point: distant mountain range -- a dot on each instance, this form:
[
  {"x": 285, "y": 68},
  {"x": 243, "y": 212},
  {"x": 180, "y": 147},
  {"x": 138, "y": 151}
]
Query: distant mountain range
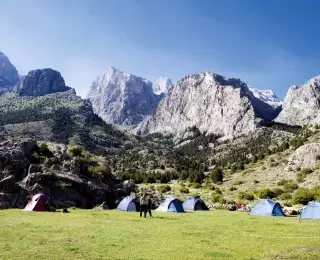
[{"x": 210, "y": 102}]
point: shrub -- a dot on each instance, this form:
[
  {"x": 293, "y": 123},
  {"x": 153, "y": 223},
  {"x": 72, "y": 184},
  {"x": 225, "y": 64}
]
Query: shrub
[
  {"x": 303, "y": 196},
  {"x": 265, "y": 194},
  {"x": 184, "y": 190},
  {"x": 217, "y": 197},
  {"x": 44, "y": 150},
  {"x": 217, "y": 175},
  {"x": 239, "y": 182},
  {"x": 285, "y": 196},
  {"x": 290, "y": 186},
  {"x": 100, "y": 172},
  {"x": 255, "y": 181},
  {"x": 195, "y": 185},
  {"x": 209, "y": 186},
  {"x": 277, "y": 191},
  {"x": 232, "y": 188},
  {"x": 76, "y": 151},
  {"x": 306, "y": 170},
  {"x": 163, "y": 188},
  {"x": 283, "y": 182},
  {"x": 301, "y": 177},
  {"x": 242, "y": 195}
]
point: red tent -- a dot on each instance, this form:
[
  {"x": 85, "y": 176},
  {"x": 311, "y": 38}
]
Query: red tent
[{"x": 37, "y": 203}]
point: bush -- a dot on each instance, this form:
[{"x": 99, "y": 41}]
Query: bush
[
  {"x": 301, "y": 177},
  {"x": 76, "y": 151},
  {"x": 303, "y": 196},
  {"x": 44, "y": 150},
  {"x": 239, "y": 182},
  {"x": 283, "y": 182},
  {"x": 242, "y": 195},
  {"x": 232, "y": 188},
  {"x": 290, "y": 186},
  {"x": 265, "y": 194},
  {"x": 306, "y": 170},
  {"x": 285, "y": 196},
  {"x": 100, "y": 172},
  {"x": 195, "y": 185},
  {"x": 163, "y": 188},
  {"x": 184, "y": 190},
  {"x": 277, "y": 191},
  {"x": 217, "y": 197},
  {"x": 255, "y": 181},
  {"x": 209, "y": 186},
  {"x": 217, "y": 175}
]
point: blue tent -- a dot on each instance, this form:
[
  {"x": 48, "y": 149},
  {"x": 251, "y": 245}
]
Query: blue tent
[
  {"x": 171, "y": 205},
  {"x": 312, "y": 210},
  {"x": 128, "y": 204},
  {"x": 194, "y": 203},
  {"x": 267, "y": 208}
]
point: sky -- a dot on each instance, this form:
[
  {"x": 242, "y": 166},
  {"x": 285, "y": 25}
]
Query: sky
[{"x": 268, "y": 44}]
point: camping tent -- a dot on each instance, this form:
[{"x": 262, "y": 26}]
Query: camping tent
[
  {"x": 267, "y": 208},
  {"x": 194, "y": 203},
  {"x": 171, "y": 205},
  {"x": 312, "y": 210},
  {"x": 128, "y": 204},
  {"x": 37, "y": 203}
]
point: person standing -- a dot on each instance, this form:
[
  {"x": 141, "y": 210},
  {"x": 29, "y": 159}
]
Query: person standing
[{"x": 145, "y": 203}]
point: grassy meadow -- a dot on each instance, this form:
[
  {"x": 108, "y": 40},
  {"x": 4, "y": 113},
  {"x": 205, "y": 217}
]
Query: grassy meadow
[{"x": 92, "y": 234}]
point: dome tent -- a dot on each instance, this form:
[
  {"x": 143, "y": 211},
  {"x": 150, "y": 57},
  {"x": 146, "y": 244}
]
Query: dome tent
[
  {"x": 194, "y": 203},
  {"x": 171, "y": 205},
  {"x": 129, "y": 203},
  {"x": 312, "y": 211},
  {"x": 37, "y": 203},
  {"x": 267, "y": 208}
]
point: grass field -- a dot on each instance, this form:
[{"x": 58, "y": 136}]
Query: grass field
[{"x": 90, "y": 234}]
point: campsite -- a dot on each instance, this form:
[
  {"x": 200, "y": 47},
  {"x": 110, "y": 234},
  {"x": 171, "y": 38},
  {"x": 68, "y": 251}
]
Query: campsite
[{"x": 111, "y": 234}]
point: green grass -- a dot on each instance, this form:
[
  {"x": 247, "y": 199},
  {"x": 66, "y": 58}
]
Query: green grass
[{"x": 120, "y": 235}]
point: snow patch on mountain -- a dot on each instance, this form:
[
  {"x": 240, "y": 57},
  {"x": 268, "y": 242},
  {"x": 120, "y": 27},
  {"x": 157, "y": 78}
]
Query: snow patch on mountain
[
  {"x": 162, "y": 85},
  {"x": 267, "y": 96}
]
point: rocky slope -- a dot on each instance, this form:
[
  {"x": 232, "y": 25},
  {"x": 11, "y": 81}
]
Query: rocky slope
[
  {"x": 41, "y": 82},
  {"x": 302, "y": 104},
  {"x": 122, "y": 99},
  {"x": 212, "y": 103},
  {"x": 267, "y": 96},
  {"x": 26, "y": 170},
  {"x": 47, "y": 110},
  {"x": 162, "y": 85},
  {"x": 8, "y": 73}
]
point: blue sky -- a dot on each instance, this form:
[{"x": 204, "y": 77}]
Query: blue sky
[{"x": 268, "y": 44}]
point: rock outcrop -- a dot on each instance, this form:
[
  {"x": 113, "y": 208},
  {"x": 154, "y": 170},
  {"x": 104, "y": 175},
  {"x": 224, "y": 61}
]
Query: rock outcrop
[
  {"x": 41, "y": 82},
  {"x": 8, "y": 73},
  {"x": 302, "y": 104},
  {"x": 65, "y": 179},
  {"x": 305, "y": 156},
  {"x": 162, "y": 85},
  {"x": 122, "y": 99},
  {"x": 212, "y": 103}
]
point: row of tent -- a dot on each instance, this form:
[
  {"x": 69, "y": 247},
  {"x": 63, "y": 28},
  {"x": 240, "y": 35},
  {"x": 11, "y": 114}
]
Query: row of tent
[
  {"x": 263, "y": 208},
  {"x": 171, "y": 204}
]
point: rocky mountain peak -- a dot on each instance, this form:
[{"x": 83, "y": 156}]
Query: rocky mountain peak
[
  {"x": 211, "y": 102},
  {"x": 122, "y": 98},
  {"x": 267, "y": 96},
  {"x": 162, "y": 85},
  {"x": 302, "y": 104},
  {"x": 41, "y": 82},
  {"x": 8, "y": 73}
]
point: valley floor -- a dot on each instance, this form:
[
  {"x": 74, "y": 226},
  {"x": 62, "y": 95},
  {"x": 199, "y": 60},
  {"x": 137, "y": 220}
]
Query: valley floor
[{"x": 91, "y": 234}]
